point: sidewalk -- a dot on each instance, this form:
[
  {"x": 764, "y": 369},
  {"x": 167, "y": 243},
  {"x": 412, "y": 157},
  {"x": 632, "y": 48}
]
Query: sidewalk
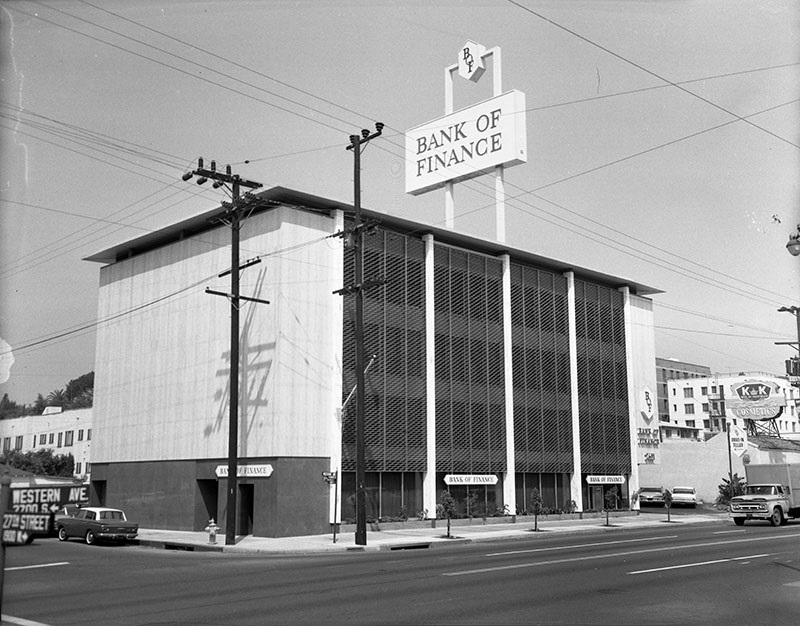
[{"x": 415, "y": 537}]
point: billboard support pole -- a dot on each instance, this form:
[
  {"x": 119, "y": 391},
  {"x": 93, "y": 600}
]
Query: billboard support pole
[{"x": 499, "y": 176}]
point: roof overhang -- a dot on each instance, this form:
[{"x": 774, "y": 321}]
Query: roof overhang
[{"x": 276, "y": 196}]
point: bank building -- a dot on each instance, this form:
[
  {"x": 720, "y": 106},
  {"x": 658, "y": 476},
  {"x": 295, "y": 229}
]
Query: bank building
[{"x": 483, "y": 361}]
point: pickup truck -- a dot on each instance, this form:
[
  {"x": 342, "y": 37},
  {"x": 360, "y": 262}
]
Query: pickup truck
[
  {"x": 772, "y": 493},
  {"x": 92, "y": 523}
]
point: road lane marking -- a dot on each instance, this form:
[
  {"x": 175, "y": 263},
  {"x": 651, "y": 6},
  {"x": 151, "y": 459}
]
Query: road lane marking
[
  {"x": 664, "y": 569},
  {"x": 582, "y": 545},
  {"x": 595, "y": 557},
  {"x": 727, "y": 532},
  {"x": 14, "y": 569}
]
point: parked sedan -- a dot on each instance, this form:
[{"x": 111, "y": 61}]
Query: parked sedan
[
  {"x": 651, "y": 496},
  {"x": 684, "y": 496},
  {"x": 92, "y": 523}
]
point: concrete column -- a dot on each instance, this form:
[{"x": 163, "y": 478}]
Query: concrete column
[
  {"x": 336, "y": 323},
  {"x": 429, "y": 477},
  {"x": 509, "y": 479},
  {"x": 633, "y": 482},
  {"x": 576, "y": 487}
]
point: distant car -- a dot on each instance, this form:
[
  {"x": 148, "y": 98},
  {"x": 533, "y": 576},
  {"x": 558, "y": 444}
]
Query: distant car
[
  {"x": 92, "y": 523},
  {"x": 651, "y": 496},
  {"x": 684, "y": 496}
]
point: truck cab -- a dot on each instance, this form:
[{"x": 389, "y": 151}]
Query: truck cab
[{"x": 771, "y": 494}]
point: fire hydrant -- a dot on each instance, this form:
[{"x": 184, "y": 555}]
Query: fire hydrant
[{"x": 212, "y": 529}]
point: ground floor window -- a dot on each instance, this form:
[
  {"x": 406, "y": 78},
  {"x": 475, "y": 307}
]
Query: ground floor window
[
  {"x": 554, "y": 490},
  {"x": 389, "y": 496},
  {"x": 602, "y": 497},
  {"x": 474, "y": 500}
]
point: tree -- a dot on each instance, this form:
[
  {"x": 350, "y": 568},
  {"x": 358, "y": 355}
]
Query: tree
[
  {"x": 448, "y": 507},
  {"x": 40, "y": 404},
  {"x": 611, "y": 498},
  {"x": 730, "y": 489},
  {"x": 77, "y": 389},
  {"x": 44, "y": 462},
  {"x": 668, "y": 502},
  {"x": 57, "y": 397},
  {"x": 535, "y": 505},
  {"x": 82, "y": 401},
  {"x": 8, "y": 408}
]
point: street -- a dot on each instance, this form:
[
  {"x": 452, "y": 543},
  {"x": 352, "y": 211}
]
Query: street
[{"x": 675, "y": 574}]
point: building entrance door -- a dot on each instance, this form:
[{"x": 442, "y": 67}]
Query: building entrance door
[
  {"x": 596, "y": 498},
  {"x": 244, "y": 517}
]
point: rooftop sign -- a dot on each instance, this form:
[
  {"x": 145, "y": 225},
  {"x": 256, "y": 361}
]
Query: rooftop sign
[
  {"x": 756, "y": 399},
  {"x": 467, "y": 143},
  {"x": 470, "y": 61}
]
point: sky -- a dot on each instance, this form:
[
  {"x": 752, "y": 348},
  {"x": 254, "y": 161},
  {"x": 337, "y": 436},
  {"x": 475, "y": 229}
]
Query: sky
[{"x": 663, "y": 145}]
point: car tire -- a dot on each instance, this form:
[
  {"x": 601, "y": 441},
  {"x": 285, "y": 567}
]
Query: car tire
[
  {"x": 776, "y": 519},
  {"x": 62, "y": 534},
  {"x": 90, "y": 538},
  {"x": 739, "y": 521}
]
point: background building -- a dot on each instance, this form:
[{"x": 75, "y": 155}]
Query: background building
[
  {"x": 671, "y": 369},
  {"x": 702, "y": 405},
  {"x": 67, "y": 432},
  {"x": 488, "y": 361}
]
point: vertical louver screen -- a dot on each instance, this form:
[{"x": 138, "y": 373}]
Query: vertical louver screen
[
  {"x": 542, "y": 400},
  {"x": 470, "y": 396},
  {"x": 602, "y": 380},
  {"x": 394, "y": 331}
]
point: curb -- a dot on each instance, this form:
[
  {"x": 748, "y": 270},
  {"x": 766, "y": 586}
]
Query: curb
[{"x": 185, "y": 546}]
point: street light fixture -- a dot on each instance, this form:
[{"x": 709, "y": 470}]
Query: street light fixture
[{"x": 794, "y": 243}]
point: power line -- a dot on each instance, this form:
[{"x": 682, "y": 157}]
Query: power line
[
  {"x": 708, "y": 332},
  {"x": 217, "y": 56},
  {"x": 89, "y": 326},
  {"x": 651, "y": 73},
  {"x": 328, "y": 101},
  {"x": 221, "y": 58},
  {"x": 182, "y": 71}
]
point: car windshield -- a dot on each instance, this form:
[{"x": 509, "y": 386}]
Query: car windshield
[
  {"x": 111, "y": 515},
  {"x": 761, "y": 490},
  {"x": 650, "y": 490},
  {"x": 682, "y": 490}
]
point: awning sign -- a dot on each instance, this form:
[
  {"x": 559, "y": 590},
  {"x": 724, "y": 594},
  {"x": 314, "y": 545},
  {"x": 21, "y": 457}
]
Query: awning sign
[
  {"x": 605, "y": 480},
  {"x": 246, "y": 471},
  {"x": 470, "y": 479}
]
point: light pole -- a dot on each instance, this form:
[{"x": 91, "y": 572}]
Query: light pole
[
  {"x": 794, "y": 310},
  {"x": 793, "y": 246},
  {"x": 793, "y": 364},
  {"x": 356, "y": 142}
]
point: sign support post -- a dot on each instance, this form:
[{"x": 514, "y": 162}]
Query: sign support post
[{"x": 471, "y": 66}]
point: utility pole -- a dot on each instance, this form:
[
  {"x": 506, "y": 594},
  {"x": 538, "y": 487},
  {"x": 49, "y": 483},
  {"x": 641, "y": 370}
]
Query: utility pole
[
  {"x": 793, "y": 364},
  {"x": 356, "y": 142},
  {"x": 231, "y": 216}
]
